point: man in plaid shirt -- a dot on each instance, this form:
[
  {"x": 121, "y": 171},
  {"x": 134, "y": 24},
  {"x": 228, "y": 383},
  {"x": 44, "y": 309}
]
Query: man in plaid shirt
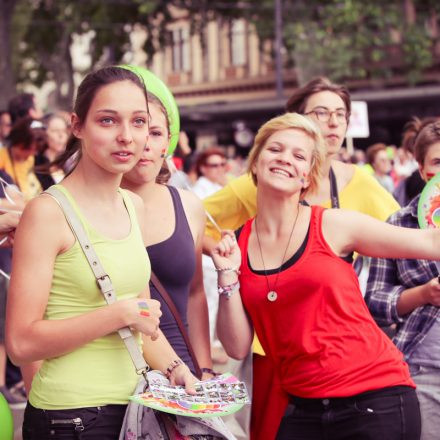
[
  {"x": 407, "y": 293},
  {"x": 389, "y": 278}
]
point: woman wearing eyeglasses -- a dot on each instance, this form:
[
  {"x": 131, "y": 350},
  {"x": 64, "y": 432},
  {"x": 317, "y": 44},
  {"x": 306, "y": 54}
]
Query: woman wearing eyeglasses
[
  {"x": 329, "y": 105},
  {"x": 341, "y": 186},
  {"x": 211, "y": 172}
]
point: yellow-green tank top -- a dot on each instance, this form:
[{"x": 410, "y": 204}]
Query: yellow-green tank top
[{"x": 100, "y": 372}]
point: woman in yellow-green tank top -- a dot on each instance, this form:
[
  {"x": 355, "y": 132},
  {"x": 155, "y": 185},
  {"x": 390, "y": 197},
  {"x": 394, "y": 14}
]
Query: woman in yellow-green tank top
[{"x": 59, "y": 328}]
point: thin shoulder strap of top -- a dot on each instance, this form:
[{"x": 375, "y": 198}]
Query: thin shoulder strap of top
[
  {"x": 178, "y": 208},
  {"x": 316, "y": 225},
  {"x": 102, "y": 278}
]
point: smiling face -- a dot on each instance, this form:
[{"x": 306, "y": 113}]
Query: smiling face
[
  {"x": 335, "y": 128},
  {"x": 285, "y": 160},
  {"x": 114, "y": 131},
  {"x": 148, "y": 167}
]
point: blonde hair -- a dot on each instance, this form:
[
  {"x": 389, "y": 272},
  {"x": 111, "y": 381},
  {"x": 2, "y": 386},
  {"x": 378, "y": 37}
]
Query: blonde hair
[{"x": 285, "y": 122}]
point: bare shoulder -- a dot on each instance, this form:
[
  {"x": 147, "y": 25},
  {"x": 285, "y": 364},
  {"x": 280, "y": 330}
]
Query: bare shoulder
[
  {"x": 339, "y": 218},
  {"x": 135, "y": 198},
  {"x": 190, "y": 201},
  {"x": 193, "y": 207},
  {"x": 43, "y": 219},
  {"x": 43, "y": 208},
  {"x": 346, "y": 219},
  {"x": 342, "y": 227}
]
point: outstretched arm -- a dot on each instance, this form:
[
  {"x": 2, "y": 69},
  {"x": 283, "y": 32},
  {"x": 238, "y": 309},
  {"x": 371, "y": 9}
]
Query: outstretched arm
[{"x": 348, "y": 231}]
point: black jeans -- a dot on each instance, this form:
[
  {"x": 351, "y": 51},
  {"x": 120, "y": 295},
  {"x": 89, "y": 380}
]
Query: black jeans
[
  {"x": 387, "y": 414},
  {"x": 97, "y": 423}
]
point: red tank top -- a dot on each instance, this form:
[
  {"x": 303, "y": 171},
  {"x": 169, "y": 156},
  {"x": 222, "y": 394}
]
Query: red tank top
[{"x": 319, "y": 332}]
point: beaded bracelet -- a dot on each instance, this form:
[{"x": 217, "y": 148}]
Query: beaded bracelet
[
  {"x": 209, "y": 371},
  {"x": 228, "y": 269},
  {"x": 172, "y": 367},
  {"x": 228, "y": 290}
]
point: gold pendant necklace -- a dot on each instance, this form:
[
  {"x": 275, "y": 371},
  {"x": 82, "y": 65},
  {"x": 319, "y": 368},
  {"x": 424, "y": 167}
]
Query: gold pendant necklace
[{"x": 272, "y": 294}]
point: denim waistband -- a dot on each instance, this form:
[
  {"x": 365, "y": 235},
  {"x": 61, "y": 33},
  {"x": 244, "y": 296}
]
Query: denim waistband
[{"x": 326, "y": 402}]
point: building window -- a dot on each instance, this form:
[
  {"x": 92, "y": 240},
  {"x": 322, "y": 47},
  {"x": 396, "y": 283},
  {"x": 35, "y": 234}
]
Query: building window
[
  {"x": 238, "y": 43},
  {"x": 181, "y": 50}
]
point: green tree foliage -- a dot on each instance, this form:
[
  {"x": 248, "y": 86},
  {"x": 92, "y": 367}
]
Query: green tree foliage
[
  {"x": 7, "y": 83},
  {"x": 45, "y": 28},
  {"x": 344, "y": 39},
  {"x": 356, "y": 39}
]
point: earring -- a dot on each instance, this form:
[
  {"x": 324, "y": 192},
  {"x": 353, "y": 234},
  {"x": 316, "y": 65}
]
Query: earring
[{"x": 163, "y": 153}]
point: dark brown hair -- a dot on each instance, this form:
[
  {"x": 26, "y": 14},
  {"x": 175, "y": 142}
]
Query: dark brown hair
[
  {"x": 372, "y": 151},
  {"x": 426, "y": 132},
  {"x": 24, "y": 135},
  {"x": 203, "y": 157},
  {"x": 20, "y": 105},
  {"x": 87, "y": 90},
  {"x": 411, "y": 132},
  {"x": 298, "y": 101}
]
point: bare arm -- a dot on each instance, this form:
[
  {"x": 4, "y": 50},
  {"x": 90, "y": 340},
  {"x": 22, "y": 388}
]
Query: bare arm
[
  {"x": 198, "y": 318},
  {"x": 28, "y": 371},
  {"x": 208, "y": 245},
  {"x": 41, "y": 235},
  {"x": 348, "y": 231},
  {"x": 410, "y": 299},
  {"x": 233, "y": 325}
]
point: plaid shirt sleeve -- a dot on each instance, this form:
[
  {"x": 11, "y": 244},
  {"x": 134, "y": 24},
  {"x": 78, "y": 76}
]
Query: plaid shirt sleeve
[
  {"x": 388, "y": 278},
  {"x": 383, "y": 291}
]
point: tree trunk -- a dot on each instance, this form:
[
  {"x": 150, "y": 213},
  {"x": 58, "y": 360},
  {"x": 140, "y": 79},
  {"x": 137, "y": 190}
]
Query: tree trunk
[
  {"x": 59, "y": 62},
  {"x": 7, "y": 83},
  {"x": 410, "y": 12}
]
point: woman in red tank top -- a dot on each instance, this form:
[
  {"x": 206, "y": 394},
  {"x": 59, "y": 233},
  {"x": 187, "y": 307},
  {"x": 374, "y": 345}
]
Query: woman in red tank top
[{"x": 338, "y": 375}]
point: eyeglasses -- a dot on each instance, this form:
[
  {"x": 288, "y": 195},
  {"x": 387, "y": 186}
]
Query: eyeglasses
[
  {"x": 215, "y": 165},
  {"x": 323, "y": 114}
]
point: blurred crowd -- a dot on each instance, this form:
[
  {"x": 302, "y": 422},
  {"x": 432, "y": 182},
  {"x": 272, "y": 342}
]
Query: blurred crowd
[{"x": 31, "y": 142}]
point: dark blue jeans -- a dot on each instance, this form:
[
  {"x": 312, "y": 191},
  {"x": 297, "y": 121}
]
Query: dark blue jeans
[
  {"x": 97, "y": 423},
  {"x": 387, "y": 414}
]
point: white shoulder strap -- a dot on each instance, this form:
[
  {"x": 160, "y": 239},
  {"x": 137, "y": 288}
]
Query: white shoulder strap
[{"x": 102, "y": 278}]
